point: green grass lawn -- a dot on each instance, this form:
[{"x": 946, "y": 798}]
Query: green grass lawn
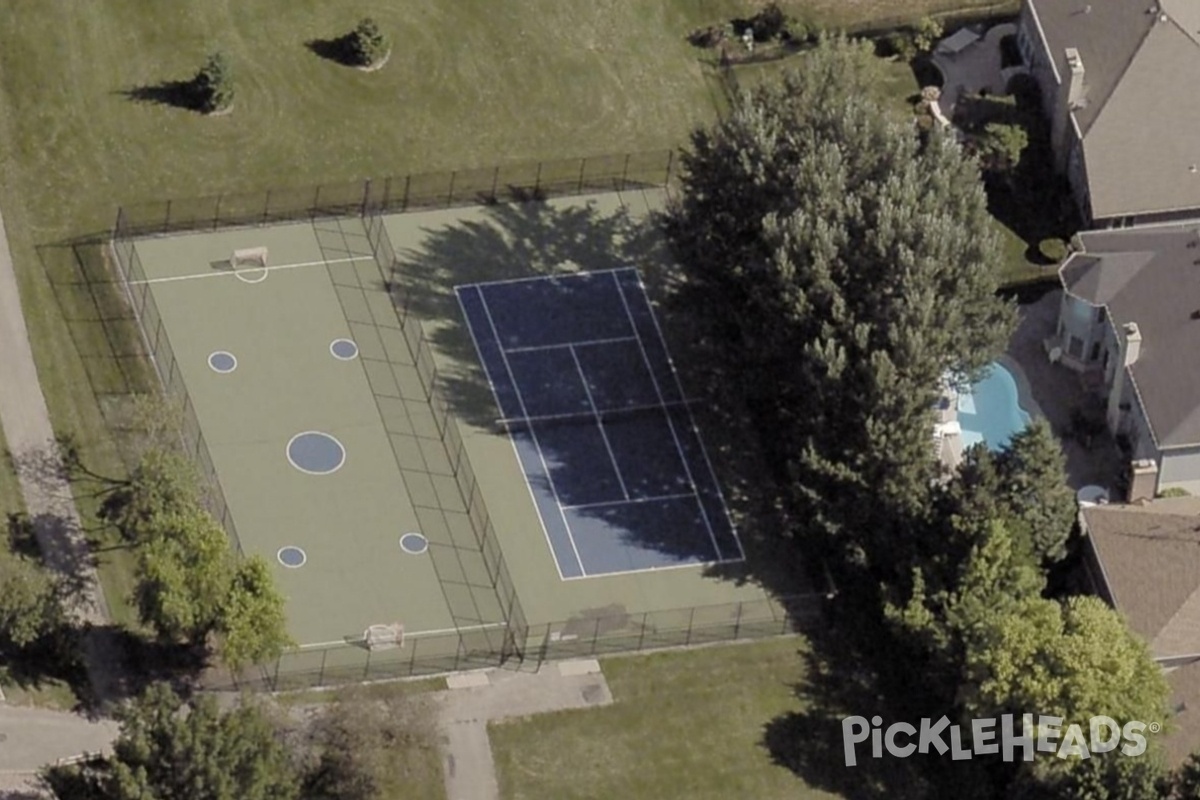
[{"x": 685, "y": 724}]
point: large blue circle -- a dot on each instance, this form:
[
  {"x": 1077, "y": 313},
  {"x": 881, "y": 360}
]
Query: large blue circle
[{"x": 316, "y": 453}]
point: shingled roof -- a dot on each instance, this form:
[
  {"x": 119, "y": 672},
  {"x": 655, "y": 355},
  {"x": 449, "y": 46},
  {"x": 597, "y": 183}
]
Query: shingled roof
[
  {"x": 1139, "y": 112},
  {"x": 1151, "y": 276},
  {"x": 1151, "y": 560}
]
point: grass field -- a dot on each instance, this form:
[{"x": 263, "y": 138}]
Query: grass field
[
  {"x": 464, "y": 87},
  {"x": 685, "y": 724}
]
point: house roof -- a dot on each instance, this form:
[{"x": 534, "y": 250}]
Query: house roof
[
  {"x": 1183, "y": 736},
  {"x": 1138, "y": 115},
  {"x": 1151, "y": 276},
  {"x": 1151, "y": 560}
]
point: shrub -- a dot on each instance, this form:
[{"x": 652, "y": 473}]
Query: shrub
[
  {"x": 711, "y": 36},
  {"x": 901, "y": 44},
  {"x": 367, "y": 43},
  {"x": 1053, "y": 250},
  {"x": 926, "y": 34},
  {"x": 214, "y": 84},
  {"x": 1175, "y": 491},
  {"x": 769, "y": 23},
  {"x": 798, "y": 31}
]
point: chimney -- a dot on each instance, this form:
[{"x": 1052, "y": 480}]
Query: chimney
[
  {"x": 1075, "y": 88},
  {"x": 1133, "y": 343}
]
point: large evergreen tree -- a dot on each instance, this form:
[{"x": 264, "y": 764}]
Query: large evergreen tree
[{"x": 846, "y": 267}]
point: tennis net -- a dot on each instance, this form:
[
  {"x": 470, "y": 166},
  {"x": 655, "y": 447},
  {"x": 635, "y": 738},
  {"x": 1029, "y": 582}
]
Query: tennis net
[{"x": 603, "y": 416}]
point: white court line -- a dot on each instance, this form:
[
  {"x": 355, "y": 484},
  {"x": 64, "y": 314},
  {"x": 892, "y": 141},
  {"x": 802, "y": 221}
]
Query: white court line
[
  {"x": 687, "y": 469},
  {"x": 712, "y": 473},
  {"x": 511, "y": 439},
  {"x": 541, "y": 456},
  {"x": 220, "y": 273},
  {"x": 689, "y": 565},
  {"x": 599, "y": 424},
  {"x": 547, "y": 277},
  {"x": 633, "y": 500},
  {"x": 588, "y": 342},
  {"x": 413, "y": 635}
]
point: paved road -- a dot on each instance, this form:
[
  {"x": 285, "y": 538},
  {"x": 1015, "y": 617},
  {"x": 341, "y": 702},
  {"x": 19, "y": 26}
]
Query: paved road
[{"x": 475, "y": 699}]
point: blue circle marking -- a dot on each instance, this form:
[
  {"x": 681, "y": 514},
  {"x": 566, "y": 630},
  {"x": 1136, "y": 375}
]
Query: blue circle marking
[
  {"x": 222, "y": 362},
  {"x": 292, "y": 557},
  {"x": 316, "y": 453},
  {"x": 414, "y": 543},
  {"x": 344, "y": 349}
]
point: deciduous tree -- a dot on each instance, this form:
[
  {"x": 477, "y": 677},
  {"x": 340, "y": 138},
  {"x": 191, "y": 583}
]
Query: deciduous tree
[
  {"x": 252, "y": 623},
  {"x": 169, "y": 748},
  {"x": 184, "y": 569},
  {"x": 29, "y": 602}
]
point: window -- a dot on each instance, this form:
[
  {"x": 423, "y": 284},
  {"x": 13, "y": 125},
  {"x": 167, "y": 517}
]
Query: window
[
  {"x": 1075, "y": 347},
  {"x": 1095, "y": 351},
  {"x": 1101, "y": 314}
]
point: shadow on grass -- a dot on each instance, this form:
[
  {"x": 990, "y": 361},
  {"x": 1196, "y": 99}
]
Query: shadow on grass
[
  {"x": 339, "y": 50},
  {"x": 176, "y": 94}
]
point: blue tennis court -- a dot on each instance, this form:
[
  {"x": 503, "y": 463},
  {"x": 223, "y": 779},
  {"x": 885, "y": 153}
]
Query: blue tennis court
[{"x": 587, "y": 391}]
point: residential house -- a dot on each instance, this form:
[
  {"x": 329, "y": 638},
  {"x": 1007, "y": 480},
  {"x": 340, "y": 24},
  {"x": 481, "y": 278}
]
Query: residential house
[
  {"x": 1142, "y": 559},
  {"x": 1130, "y": 325},
  {"x": 1118, "y": 82}
]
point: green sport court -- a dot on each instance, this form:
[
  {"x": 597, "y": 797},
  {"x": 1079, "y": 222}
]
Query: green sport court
[{"x": 327, "y": 447}]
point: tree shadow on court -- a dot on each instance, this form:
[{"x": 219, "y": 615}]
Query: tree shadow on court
[{"x": 501, "y": 242}]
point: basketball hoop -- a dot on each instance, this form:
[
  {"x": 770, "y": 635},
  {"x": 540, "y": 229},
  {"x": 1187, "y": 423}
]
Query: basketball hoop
[{"x": 384, "y": 637}]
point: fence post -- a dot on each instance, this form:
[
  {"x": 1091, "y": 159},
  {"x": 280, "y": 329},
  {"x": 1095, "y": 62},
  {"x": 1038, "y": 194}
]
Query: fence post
[
  {"x": 582, "y": 168},
  {"x": 495, "y": 182},
  {"x": 267, "y": 206},
  {"x": 450, "y": 193},
  {"x": 670, "y": 164},
  {"x": 407, "y": 185},
  {"x": 366, "y": 196},
  {"x": 642, "y": 632},
  {"x": 217, "y": 212},
  {"x": 691, "y": 621},
  {"x": 596, "y": 634},
  {"x": 737, "y": 623},
  {"x": 624, "y": 172},
  {"x": 537, "y": 180}
]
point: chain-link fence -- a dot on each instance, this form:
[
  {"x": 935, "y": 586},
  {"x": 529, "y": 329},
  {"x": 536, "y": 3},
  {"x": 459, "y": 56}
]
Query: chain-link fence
[
  {"x": 581, "y": 637},
  {"x": 486, "y": 639},
  {"x": 162, "y": 356},
  {"x": 531, "y": 180}
]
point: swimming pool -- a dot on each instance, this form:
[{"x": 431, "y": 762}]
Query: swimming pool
[{"x": 990, "y": 411}]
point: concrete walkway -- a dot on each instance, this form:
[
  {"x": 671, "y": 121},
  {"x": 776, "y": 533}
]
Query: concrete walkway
[
  {"x": 975, "y": 68},
  {"x": 31, "y": 737},
  {"x": 48, "y": 500},
  {"x": 477, "y": 698}
]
